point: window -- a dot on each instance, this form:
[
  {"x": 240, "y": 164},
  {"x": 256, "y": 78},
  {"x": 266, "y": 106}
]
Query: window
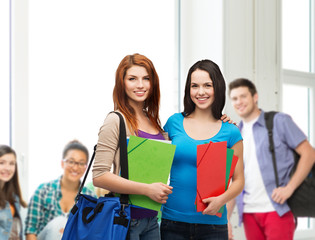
[
  {"x": 296, "y": 35},
  {"x": 298, "y": 29},
  {"x": 5, "y": 28},
  {"x": 298, "y": 62},
  {"x": 304, "y": 104}
]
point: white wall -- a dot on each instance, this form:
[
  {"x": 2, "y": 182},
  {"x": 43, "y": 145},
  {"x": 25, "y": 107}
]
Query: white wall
[
  {"x": 201, "y": 35},
  {"x": 252, "y": 40},
  {"x": 20, "y": 91},
  {"x": 5, "y": 72},
  {"x": 73, "y": 50}
]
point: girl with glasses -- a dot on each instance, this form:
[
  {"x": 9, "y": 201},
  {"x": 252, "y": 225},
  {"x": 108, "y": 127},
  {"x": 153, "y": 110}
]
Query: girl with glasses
[{"x": 50, "y": 204}]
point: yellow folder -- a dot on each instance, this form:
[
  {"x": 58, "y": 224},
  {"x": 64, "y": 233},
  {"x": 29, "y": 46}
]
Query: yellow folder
[{"x": 149, "y": 161}]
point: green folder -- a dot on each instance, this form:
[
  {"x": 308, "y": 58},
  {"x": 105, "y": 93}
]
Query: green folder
[
  {"x": 229, "y": 158},
  {"x": 149, "y": 161}
]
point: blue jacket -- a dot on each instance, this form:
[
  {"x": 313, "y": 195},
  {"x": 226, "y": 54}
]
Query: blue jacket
[{"x": 6, "y": 219}]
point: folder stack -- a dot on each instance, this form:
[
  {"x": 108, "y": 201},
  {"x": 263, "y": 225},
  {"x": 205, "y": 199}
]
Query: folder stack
[{"x": 215, "y": 167}]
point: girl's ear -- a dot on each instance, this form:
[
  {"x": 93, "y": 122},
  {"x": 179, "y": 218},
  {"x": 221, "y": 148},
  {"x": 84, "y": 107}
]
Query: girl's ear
[{"x": 62, "y": 164}]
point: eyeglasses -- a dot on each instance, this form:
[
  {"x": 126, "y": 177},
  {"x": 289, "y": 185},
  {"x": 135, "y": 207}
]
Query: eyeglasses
[{"x": 72, "y": 163}]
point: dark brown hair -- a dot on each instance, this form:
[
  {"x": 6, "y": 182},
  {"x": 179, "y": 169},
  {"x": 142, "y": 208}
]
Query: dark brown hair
[
  {"x": 218, "y": 85},
  {"x": 11, "y": 188},
  {"x": 120, "y": 98},
  {"x": 75, "y": 145},
  {"x": 243, "y": 82}
]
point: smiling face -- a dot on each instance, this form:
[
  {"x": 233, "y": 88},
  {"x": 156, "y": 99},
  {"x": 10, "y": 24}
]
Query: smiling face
[
  {"x": 201, "y": 89},
  {"x": 244, "y": 103},
  {"x": 7, "y": 167},
  {"x": 71, "y": 165},
  {"x": 137, "y": 85}
]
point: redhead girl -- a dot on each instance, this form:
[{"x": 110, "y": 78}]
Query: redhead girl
[{"x": 137, "y": 96}]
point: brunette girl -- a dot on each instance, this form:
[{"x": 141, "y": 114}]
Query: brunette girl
[
  {"x": 10, "y": 196},
  {"x": 199, "y": 123}
]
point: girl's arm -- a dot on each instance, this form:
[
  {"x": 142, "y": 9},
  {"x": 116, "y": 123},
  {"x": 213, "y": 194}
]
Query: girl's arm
[
  {"x": 156, "y": 191},
  {"x": 107, "y": 155},
  {"x": 31, "y": 237}
]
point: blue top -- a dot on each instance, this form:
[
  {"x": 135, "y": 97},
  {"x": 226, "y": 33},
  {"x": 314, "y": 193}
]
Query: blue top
[
  {"x": 6, "y": 219},
  {"x": 180, "y": 205},
  {"x": 286, "y": 136}
]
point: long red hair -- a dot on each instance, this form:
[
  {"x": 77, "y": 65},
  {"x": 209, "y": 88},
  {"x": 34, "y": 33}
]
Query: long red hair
[{"x": 120, "y": 98}]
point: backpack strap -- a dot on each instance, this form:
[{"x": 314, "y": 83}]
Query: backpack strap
[{"x": 269, "y": 116}]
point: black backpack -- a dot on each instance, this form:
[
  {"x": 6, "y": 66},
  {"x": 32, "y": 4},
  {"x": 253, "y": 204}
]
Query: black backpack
[{"x": 302, "y": 200}]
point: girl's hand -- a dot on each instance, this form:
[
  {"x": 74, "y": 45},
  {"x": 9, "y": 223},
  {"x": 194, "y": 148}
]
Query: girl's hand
[
  {"x": 214, "y": 205},
  {"x": 159, "y": 192},
  {"x": 226, "y": 118}
]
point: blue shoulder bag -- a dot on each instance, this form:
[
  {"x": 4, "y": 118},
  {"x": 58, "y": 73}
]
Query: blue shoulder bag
[{"x": 107, "y": 217}]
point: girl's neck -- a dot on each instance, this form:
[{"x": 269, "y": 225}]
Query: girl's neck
[
  {"x": 139, "y": 113},
  {"x": 69, "y": 185},
  {"x": 203, "y": 115},
  {"x": 138, "y": 108}
]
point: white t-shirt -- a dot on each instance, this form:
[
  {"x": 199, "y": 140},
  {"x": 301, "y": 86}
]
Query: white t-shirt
[
  {"x": 255, "y": 194},
  {"x": 54, "y": 229}
]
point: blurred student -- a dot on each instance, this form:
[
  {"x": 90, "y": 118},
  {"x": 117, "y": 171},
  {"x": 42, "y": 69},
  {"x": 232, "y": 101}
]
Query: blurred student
[
  {"x": 262, "y": 205},
  {"x": 10, "y": 196},
  {"x": 50, "y": 204}
]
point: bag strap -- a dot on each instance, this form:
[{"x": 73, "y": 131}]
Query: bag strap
[
  {"x": 269, "y": 124},
  {"x": 123, "y": 154},
  {"x": 123, "y": 158}
]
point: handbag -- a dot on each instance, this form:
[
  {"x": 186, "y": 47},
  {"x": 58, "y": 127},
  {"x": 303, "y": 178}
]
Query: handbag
[
  {"x": 301, "y": 201},
  {"x": 107, "y": 217}
]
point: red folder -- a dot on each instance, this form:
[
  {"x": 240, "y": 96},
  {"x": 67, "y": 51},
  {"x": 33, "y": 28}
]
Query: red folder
[
  {"x": 233, "y": 165},
  {"x": 215, "y": 167},
  {"x": 199, "y": 204},
  {"x": 211, "y": 169}
]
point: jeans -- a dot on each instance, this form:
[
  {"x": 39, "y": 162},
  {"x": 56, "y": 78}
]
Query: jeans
[
  {"x": 144, "y": 229},
  {"x": 171, "y": 230}
]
